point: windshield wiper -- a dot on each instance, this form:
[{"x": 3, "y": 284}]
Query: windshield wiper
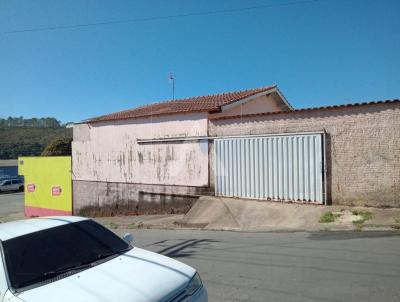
[
  {"x": 68, "y": 269},
  {"x": 112, "y": 253},
  {"x": 81, "y": 266},
  {"x": 84, "y": 265},
  {"x": 51, "y": 274}
]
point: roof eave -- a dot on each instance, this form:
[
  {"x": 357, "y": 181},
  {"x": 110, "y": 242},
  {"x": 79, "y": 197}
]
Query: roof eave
[
  {"x": 274, "y": 89},
  {"x": 94, "y": 121},
  {"x": 277, "y": 90},
  {"x": 312, "y": 109}
]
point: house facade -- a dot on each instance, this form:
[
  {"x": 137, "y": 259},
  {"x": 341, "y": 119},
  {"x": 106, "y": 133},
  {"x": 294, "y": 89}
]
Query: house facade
[
  {"x": 249, "y": 144},
  {"x": 156, "y": 153}
]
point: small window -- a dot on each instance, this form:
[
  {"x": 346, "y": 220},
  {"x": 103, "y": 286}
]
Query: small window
[{"x": 7, "y": 183}]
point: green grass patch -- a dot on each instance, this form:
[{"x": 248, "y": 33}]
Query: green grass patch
[
  {"x": 365, "y": 215},
  {"x": 328, "y": 217}
]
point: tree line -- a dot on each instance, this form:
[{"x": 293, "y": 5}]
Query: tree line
[
  {"x": 30, "y": 137},
  {"x": 21, "y": 122}
]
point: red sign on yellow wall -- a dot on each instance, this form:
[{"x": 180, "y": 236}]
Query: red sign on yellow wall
[
  {"x": 30, "y": 188},
  {"x": 56, "y": 191},
  {"x": 49, "y": 185}
]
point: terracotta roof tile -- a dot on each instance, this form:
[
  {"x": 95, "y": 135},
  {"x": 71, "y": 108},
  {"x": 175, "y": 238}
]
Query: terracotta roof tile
[{"x": 209, "y": 103}]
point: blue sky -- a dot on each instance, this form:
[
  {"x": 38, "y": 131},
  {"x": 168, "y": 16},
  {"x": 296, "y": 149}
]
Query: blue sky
[{"x": 319, "y": 53}]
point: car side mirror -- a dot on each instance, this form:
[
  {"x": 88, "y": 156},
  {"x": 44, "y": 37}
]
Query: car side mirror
[{"x": 128, "y": 238}]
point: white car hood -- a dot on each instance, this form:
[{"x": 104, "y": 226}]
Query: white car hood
[{"x": 136, "y": 276}]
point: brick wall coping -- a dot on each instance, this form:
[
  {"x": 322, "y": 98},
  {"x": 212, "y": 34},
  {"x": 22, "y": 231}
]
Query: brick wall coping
[{"x": 323, "y": 108}]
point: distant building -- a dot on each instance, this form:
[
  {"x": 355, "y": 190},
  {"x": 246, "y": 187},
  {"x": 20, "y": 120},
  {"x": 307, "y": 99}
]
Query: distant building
[{"x": 8, "y": 167}]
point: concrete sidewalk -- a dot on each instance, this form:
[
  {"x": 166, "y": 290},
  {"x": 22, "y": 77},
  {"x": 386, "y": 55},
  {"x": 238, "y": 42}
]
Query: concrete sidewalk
[
  {"x": 213, "y": 213},
  {"x": 141, "y": 222}
]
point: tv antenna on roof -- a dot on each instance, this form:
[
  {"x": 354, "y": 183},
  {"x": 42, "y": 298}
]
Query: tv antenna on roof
[{"x": 171, "y": 79}]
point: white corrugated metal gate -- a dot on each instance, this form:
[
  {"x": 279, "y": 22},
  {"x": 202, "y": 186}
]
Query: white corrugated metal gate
[{"x": 279, "y": 167}]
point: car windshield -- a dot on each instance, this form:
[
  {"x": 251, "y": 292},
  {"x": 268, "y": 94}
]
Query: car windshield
[{"x": 42, "y": 255}]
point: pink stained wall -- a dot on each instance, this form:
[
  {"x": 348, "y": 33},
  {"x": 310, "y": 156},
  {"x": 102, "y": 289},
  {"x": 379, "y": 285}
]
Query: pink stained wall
[{"x": 110, "y": 152}]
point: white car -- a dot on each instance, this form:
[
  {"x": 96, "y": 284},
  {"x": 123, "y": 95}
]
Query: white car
[
  {"x": 11, "y": 185},
  {"x": 76, "y": 259}
]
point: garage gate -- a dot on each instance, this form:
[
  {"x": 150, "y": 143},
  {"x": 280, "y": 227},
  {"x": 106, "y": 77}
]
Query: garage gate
[{"x": 279, "y": 167}]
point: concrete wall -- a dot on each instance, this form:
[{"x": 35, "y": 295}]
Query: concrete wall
[
  {"x": 48, "y": 189},
  {"x": 110, "y": 152},
  {"x": 106, "y": 198},
  {"x": 363, "y": 148},
  {"x": 111, "y": 169}
]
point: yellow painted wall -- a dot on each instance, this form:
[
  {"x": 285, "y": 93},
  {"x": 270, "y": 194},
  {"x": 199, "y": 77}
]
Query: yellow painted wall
[{"x": 45, "y": 173}]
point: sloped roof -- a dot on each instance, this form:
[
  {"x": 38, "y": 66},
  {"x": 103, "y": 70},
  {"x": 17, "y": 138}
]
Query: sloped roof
[
  {"x": 322, "y": 108},
  {"x": 208, "y": 103}
]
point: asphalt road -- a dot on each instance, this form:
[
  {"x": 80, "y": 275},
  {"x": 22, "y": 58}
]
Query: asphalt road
[
  {"x": 286, "y": 267},
  {"x": 279, "y": 267},
  {"x": 11, "y": 203}
]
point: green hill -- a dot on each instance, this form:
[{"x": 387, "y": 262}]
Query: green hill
[{"x": 28, "y": 137}]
